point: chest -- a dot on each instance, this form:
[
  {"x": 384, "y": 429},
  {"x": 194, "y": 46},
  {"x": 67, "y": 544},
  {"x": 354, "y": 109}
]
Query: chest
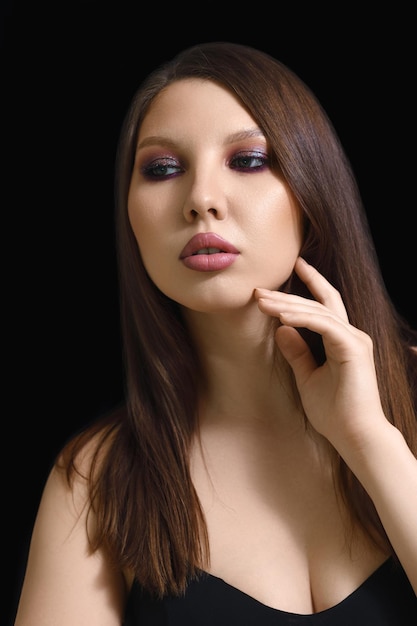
[{"x": 277, "y": 529}]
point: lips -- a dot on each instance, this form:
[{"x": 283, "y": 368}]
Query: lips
[{"x": 208, "y": 252}]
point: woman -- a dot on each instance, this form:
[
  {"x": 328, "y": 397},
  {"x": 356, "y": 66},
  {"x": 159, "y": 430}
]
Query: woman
[{"x": 263, "y": 468}]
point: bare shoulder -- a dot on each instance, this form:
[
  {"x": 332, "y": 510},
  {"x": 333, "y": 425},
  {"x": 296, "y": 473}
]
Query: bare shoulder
[
  {"x": 65, "y": 583},
  {"x": 70, "y": 489}
]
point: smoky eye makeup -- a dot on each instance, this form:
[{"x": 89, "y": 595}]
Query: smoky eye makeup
[
  {"x": 161, "y": 167},
  {"x": 158, "y": 158},
  {"x": 252, "y": 160}
]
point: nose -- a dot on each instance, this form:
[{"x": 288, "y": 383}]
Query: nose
[{"x": 205, "y": 195}]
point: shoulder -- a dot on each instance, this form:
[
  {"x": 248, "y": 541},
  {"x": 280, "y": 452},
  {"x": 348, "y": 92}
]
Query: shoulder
[
  {"x": 65, "y": 582},
  {"x": 65, "y": 506},
  {"x": 80, "y": 461}
]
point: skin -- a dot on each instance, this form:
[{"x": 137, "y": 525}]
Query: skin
[
  {"x": 200, "y": 132},
  {"x": 277, "y": 530}
]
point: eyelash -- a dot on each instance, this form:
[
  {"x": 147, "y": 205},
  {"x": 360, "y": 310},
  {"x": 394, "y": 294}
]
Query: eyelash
[
  {"x": 243, "y": 161},
  {"x": 260, "y": 157}
]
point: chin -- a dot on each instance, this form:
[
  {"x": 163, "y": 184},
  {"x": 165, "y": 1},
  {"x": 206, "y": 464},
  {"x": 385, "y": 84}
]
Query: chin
[{"x": 225, "y": 304}]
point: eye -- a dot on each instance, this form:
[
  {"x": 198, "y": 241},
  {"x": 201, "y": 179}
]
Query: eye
[
  {"x": 161, "y": 168},
  {"x": 254, "y": 161}
]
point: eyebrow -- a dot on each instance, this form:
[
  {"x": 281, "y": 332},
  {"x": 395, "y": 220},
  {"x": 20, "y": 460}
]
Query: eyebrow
[
  {"x": 240, "y": 135},
  {"x": 244, "y": 134}
]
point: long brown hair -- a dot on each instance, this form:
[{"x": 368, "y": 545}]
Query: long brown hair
[{"x": 148, "y": 515}]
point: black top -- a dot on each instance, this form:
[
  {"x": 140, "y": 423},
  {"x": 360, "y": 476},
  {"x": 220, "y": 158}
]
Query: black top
[{"x": 386, "y": 598}]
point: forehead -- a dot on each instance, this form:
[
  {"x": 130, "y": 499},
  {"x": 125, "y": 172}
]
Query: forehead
[{"x": 196, "y": 104}]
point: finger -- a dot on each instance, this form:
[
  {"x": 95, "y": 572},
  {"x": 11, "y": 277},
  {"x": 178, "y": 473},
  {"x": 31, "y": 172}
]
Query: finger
[
  {"x": 296, "y": 352},
  {"x": 341, "y": 339},
  {"x": 297, "y": 311},
  {"x": 320, "y": 287},
  {"x": 279, "y": 301}
]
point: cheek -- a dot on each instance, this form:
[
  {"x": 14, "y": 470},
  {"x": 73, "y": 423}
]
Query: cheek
[
  {"x": 278, "y": 230},
  {"x": 152, "y": 224},
  {"x": 145, "y": 232},
  {"x": 290, "y": 228},
  {"x": 144, "y": 220},
  {"x": 278, "y": 218},
  {"x": 292, "y": 218}
]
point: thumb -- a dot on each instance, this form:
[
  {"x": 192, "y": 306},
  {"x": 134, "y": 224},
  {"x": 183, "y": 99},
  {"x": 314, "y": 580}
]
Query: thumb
[{"x": 296, "y": 351}]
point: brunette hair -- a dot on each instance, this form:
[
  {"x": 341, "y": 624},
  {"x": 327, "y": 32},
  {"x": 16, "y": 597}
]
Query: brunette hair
[{"x": 148, "y": 515}]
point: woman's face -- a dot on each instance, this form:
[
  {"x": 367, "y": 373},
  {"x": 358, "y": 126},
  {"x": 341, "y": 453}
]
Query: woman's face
[{"x": 212, "y": 219}]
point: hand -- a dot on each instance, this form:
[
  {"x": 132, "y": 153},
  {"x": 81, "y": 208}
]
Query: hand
[{"x": 340, "y": 397}]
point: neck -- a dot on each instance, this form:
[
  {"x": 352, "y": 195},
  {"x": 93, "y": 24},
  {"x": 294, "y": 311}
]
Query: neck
[{"x": 245, "y": 377}]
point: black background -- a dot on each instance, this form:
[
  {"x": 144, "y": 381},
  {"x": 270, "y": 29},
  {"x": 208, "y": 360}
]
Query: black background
[{"x": 69, "y": 72}]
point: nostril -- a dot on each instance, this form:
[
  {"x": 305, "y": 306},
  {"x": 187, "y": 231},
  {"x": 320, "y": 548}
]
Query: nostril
[{"x": 192, "y": 214}]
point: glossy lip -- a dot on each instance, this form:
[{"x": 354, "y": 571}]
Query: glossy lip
[{"x": 208, "y": 262}]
